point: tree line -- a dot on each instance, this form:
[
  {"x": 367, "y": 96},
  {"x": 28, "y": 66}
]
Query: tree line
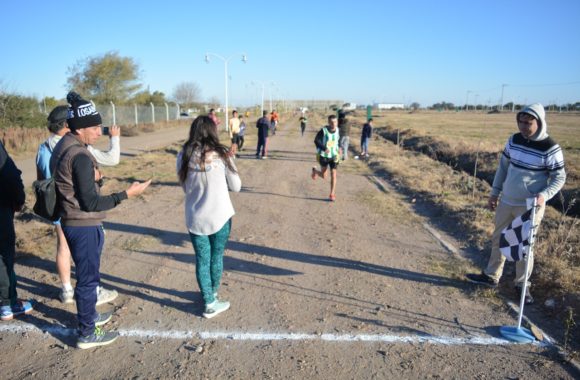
[{"x": 104, "y": 78}]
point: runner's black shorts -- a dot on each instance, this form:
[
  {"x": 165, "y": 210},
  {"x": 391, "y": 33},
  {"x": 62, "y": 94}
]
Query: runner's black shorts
[
  {"x": 332, "y": 162},
  {"x": 235, "y": 138}
]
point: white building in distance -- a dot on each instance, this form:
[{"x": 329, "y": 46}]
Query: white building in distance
[{"x": 389, "y": 106}]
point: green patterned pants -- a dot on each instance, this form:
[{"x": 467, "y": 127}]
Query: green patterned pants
[{"x": 209, "y": 260}]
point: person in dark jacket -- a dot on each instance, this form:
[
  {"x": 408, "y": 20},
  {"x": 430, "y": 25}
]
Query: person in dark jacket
[
  {"x": 367, "y": 132},
  {"x": 344, "y": 131},
  {"x": 81, "y": 210},
  {"x": 12, "y": 199},
  {"x": 263, "y": 125}
]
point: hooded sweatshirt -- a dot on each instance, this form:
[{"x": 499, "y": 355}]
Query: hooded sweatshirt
[{"x": 530, "y": 167}]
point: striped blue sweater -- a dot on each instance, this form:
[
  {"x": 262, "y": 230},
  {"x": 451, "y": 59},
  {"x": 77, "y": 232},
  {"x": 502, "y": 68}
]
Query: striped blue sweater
[{"x": 529, "y": 167}]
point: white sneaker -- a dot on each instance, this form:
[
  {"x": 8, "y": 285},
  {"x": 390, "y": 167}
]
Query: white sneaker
[
  {"x": 67, "y": 296},
  {"x": 105, "y": 295},
  {"x": 215, "y": 308}
]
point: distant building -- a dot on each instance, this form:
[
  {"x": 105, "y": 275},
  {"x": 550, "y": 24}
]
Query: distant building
[
  {"x": 389, "y": 106},
  {"x": 349, "y": 106}
]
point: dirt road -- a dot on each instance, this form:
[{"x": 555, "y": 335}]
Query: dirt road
[
  {"x": 131, "y": 146},
  {"x": 351, "y": 289}
]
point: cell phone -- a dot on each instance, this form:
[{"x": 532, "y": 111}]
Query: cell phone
[{"x": 105, "y": 130}]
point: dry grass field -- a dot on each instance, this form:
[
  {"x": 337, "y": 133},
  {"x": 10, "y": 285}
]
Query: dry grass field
[
  {"x": 430, "y": 167},
  {"x": 461, "y": 138},
  {"x": 24, "y": 142}
]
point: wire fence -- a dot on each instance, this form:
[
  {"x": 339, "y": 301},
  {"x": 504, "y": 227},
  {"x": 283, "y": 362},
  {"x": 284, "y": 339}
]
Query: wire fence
[{"x": 137, "y": 114}]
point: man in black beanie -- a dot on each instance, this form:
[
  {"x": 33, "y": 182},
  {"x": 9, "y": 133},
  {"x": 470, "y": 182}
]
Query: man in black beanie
[
  {"x": 58, "y": 126},
  {"x": 81, "y": 210}
]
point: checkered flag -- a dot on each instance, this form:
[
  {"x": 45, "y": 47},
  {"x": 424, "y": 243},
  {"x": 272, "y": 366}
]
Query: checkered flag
[{"x": 515, "y": 238}]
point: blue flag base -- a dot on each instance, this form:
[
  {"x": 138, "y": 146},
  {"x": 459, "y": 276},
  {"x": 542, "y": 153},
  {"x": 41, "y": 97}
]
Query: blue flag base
[{"x": 517, "y": 334}]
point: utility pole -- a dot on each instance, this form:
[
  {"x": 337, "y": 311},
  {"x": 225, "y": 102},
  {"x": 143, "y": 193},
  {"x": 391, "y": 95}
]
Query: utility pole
[
  {"x": 466, "y": 100},
  {"x": 501, "y": 101}
]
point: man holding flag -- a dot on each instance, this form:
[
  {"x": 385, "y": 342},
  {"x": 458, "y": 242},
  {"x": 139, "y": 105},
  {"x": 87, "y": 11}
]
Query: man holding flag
[{"x": 531, "y": 166}]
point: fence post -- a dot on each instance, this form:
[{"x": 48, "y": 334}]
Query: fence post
[
  {"x": 114, "y": 114},
  {"x": 178, "y": 112},
  {"x": 166, "y": 112},
  {"x": 475, "y": 171},
  {"x": 398, "y": 139},
  {"x": 152, "y": 113},
  {"x": 136, "y": 117}
]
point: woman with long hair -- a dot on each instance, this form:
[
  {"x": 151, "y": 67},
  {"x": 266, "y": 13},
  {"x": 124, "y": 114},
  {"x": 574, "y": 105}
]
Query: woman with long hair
[{"x": 206, "y": 172}]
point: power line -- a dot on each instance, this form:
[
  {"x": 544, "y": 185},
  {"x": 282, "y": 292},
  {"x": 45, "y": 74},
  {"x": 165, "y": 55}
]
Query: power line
[{"x": 545, "y": 85}]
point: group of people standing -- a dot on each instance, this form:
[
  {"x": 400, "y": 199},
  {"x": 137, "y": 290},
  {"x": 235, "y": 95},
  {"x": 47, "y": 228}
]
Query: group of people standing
[
  {"x": 532, "y": 165},
  {"x": 206, "y": 172}
]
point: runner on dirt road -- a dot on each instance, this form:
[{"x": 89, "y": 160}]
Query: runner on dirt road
[{"x": 329, "y": 153}]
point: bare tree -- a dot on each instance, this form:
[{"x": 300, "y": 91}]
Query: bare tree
[
  {"x": 214, "y": 102},
  {"x": 186, "y": 94}
]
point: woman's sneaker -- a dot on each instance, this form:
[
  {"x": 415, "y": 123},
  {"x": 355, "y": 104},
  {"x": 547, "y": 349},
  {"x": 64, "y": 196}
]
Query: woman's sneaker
[
  {"x": 6, "y": 313},
  {"x": 97, "y": 338},
  {"x": 214, "y": 308},
  {"x": 21, "y": 307}
]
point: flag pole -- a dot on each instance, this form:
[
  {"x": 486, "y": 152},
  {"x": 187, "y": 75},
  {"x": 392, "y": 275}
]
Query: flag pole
[{"x": 519, "y": 334}]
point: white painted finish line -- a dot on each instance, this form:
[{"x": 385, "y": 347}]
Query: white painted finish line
[{"x": 259, "y": 336}]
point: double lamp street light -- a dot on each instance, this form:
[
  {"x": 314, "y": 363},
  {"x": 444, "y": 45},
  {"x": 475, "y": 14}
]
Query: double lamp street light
[{"x": 225, "y": 60}]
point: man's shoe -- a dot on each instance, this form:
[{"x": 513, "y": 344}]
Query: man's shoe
[
  {"x": 332, "y": 197},
  {"x": 97, "y": 338},
  {"x": 6, "y": 313},
  {"x": 103, "y": 318},
  {"x": 215, "y": 308},
  {"x": 22, "y": 307},
  {"x": 313, "y": 174},
  {"x": 528, "y": 299},
  {"x": 67, "y": 296},
  {"x": 105, "y": 295},
  {"x": 481, "y": 279},
  {"x": 264, "y": 157}
]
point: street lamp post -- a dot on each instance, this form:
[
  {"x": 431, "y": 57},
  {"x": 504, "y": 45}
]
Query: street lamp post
[
  {"x": 466, "y": 100},
  {"x": 263, "y": 84},
  {"x": 501, "y": 101},
  {"x": 225, "y": 60}
]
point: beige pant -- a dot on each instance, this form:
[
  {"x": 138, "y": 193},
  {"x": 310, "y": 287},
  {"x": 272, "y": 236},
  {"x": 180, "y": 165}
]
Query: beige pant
[{"x": 504, "y": 215}]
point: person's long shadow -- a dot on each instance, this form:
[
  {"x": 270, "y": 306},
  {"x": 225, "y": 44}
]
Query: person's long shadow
[
  {"x": 310, "y": 154},
  {"x": 337, "y": 262},
  {"x": 166, "y": 237},
  {"x": 247, "y": 190},
  {"x": 179, "y": 238},
  {"x": 124, "y": 286},
  {"x": 287, "y": 158},
  {"x": 232, "y": 264}
]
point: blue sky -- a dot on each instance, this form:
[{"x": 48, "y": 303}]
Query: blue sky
[{"x": 358, "y": 51}]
